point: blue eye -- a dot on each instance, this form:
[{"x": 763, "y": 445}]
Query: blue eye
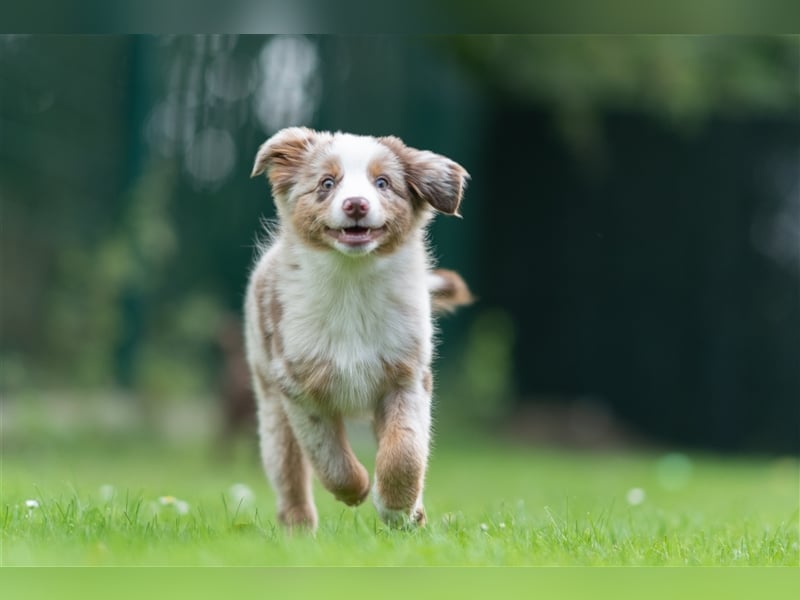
[
  {"x": 381, "y": 183},
  {"x": 327, "y": 183}
]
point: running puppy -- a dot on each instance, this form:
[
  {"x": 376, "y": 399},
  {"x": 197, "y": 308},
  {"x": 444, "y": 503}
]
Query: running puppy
[{"x": 338, "y": 316}]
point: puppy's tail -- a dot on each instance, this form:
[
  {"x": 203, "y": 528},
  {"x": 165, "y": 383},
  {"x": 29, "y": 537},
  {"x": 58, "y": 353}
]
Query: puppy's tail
[{"x": 448, "y": 291}]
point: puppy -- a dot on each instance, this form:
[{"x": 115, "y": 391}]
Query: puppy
[{"x": 338, "y": 316}]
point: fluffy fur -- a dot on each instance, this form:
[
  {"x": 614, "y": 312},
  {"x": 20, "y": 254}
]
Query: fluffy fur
[{"x": 338, "y": 316}]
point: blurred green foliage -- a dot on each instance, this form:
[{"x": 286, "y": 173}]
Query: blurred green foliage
[
  {"x": 670, "y": 75},
  {"x": 682, "y": 79}
]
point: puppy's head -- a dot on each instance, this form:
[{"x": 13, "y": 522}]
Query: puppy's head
[{"x": 356, "y": 194}]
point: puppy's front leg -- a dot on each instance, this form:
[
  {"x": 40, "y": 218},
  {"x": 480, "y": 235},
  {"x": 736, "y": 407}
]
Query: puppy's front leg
[
  {"x": 324, "y": 442},
  {"x": 402, "y": 426}
]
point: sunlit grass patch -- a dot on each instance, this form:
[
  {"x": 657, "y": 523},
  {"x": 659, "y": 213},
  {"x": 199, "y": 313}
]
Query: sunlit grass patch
[{"x": 146, "y": 502}]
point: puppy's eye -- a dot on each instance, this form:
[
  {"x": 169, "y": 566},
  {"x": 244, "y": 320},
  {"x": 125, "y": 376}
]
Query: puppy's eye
[
  {"x": 327, "y": 183},
  {"x": 381, "y": 183}
]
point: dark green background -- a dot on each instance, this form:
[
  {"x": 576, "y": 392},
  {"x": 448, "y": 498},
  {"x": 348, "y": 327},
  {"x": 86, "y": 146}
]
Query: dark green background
[{"x": 631, "y": 227}]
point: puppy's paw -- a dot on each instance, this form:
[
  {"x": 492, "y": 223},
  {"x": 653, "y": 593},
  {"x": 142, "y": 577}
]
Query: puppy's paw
[
  {"x": 400, "y": 519},
  {"x": 298, "y": 518},
  {"x": 354, "y": 491}
]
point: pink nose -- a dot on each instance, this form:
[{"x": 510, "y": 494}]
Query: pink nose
[{"x": 355, "y": 207}]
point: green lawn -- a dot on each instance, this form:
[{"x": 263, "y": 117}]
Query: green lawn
[{"x": 488, "y": 504}]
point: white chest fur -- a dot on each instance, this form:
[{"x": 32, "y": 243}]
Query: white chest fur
[{"x": 356, "y": 315}]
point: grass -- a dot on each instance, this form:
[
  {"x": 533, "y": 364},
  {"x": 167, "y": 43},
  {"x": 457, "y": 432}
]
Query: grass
[{"x": 488, "y": 503}]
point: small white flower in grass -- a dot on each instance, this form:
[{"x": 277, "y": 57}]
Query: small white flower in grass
[
  {"x": 106, "y": 492},
  {"x": 501, "y": 525},
  {"x": 180, "y": 506},
  {"x": 635, "y": 496},
  {"x": 31, "y": 504},
  {"x": 241, "y": 495},
  {"x": 484, "y": 527}
]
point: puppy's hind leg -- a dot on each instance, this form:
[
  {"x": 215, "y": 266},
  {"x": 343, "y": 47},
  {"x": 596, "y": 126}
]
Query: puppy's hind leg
[{"x": 287, "y": 468}]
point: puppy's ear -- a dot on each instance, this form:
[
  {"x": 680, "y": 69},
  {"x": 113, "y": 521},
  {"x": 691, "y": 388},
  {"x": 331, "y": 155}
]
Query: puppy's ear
[
  {"x": 431, "y": 177},
  {"x": 282, "y": 155}
]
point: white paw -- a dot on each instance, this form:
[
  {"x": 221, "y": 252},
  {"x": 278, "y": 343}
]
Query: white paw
[{"x": 399, "y": 519}]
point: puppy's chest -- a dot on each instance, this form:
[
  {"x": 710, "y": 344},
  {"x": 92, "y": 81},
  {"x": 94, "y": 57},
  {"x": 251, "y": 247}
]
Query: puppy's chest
[{"x": 346, "y": 345}]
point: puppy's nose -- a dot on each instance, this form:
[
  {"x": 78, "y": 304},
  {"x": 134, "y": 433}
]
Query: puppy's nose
[{"x": 355, "y": 207}]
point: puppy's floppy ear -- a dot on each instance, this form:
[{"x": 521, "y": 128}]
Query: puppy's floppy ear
[
  {"x": 282, "y": 155},
  {"x": 431, "y": 177}
]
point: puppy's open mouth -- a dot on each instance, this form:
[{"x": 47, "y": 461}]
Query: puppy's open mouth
[{"x": 356, "y": 235}]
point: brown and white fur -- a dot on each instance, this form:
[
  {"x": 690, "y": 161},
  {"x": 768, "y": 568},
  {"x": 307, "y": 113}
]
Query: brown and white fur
[{"x": 338, "y": 316}]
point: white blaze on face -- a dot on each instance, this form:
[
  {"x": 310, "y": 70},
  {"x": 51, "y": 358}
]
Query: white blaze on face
[{"x": 355, "y": 153}]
